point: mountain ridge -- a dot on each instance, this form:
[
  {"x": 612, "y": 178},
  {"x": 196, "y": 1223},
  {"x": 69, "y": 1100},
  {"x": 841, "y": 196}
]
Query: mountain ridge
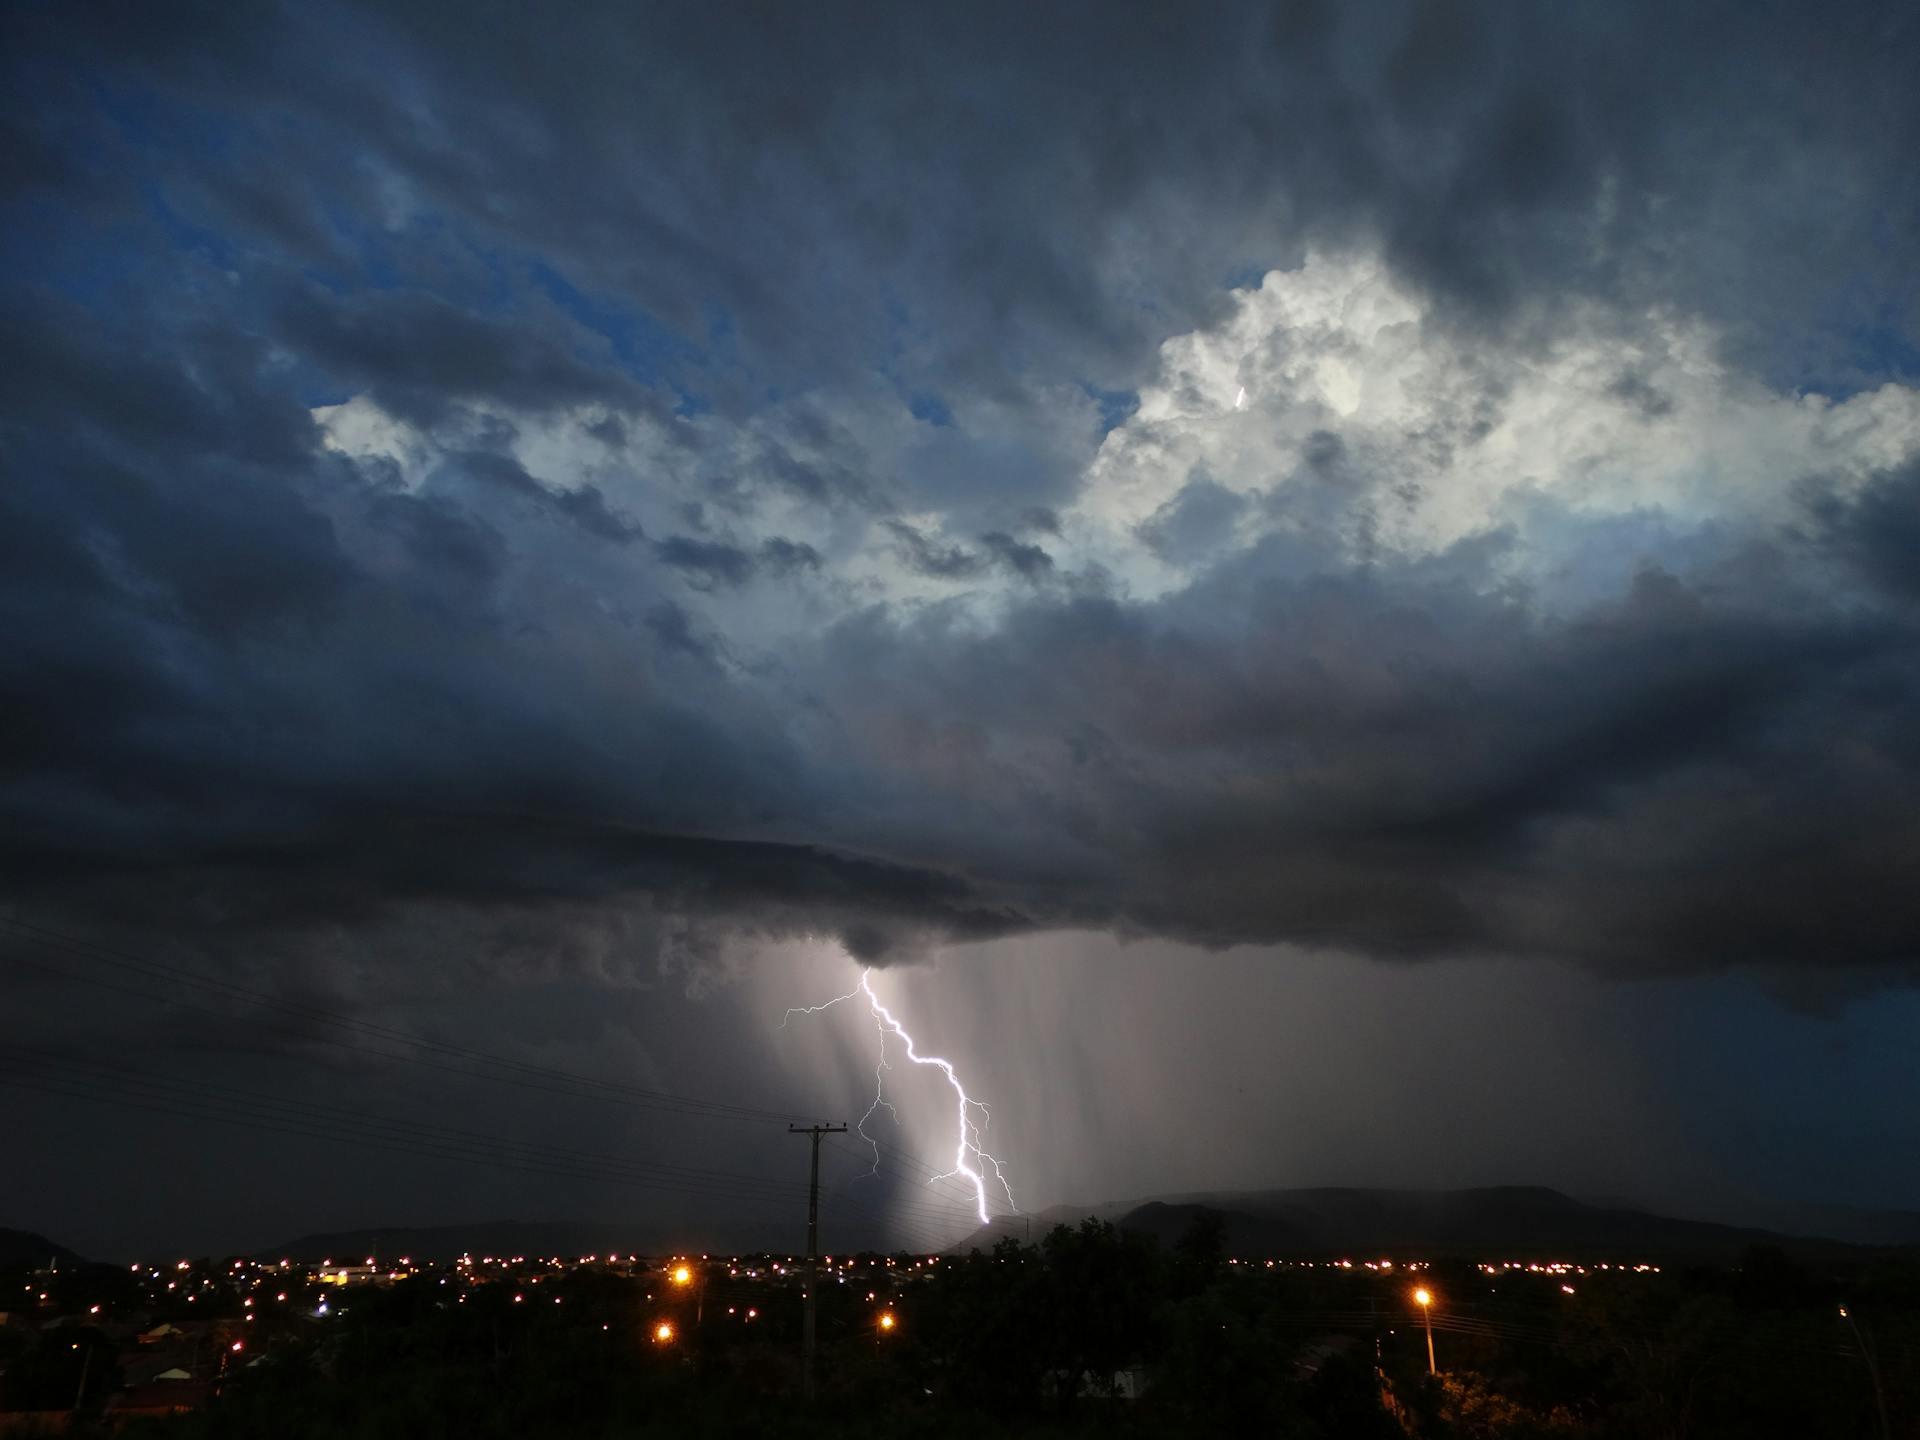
[
  {"x": 1514, "y": 1222},
  {"x": 1520, "y": 1221},
  {"x": 20, "y": 1248}
]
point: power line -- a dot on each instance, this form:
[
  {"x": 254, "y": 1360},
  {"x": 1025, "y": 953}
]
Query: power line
[
  {"x": 627, "y": 1094},
  {"x": 470, "y": 1062},
  {"x": 160, "y": 1104},
  {"x": 938, "y": 1202},
  {"x": 574, "y": 1081},
  {"x": 400, "y": 1138},
  {"x": 334, "y": 1114}
]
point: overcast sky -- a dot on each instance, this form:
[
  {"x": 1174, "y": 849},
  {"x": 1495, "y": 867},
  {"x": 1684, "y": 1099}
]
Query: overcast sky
[{"x": 1329, "y": 594}]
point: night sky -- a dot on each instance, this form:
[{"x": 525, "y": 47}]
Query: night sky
[{"x": 1329, "y": 594}]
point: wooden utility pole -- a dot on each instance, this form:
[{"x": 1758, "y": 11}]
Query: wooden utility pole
[
  {"x": 813, "y": 1242},
  {"x": 80, "y": 1395},
  {"x": 1873, "y": 1369}
]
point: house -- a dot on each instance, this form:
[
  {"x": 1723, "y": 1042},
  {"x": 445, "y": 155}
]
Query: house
[
  {"x": 145, "y": 1368},
  {"x": 162, "y": 1398},
  {"x": 351, "y": 1275}
]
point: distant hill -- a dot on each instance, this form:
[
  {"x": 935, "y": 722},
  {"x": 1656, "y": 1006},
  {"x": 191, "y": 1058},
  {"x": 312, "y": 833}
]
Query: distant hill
[
  {"x": 1893, "y": 1229},
  {"x": 1513, "y": 1222},
  {"x": 23, "y": 1248},
  {"x": 1245, "y": 1234},
  {"x": 447, "y": 1242},
  {"x": 1519, "y": 1222}
]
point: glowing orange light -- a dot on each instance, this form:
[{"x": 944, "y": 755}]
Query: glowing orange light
[
  {"x": 886, "y": 1321},
  {"x": 1423, "y": 1296},
  {"x": 682, "y": 1275},
  {"x": 663, "y": 1332}
]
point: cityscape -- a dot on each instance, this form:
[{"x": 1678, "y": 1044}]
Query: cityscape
[
  {"x": 1035, "y": 718},
  {"x": 1337, "y": 1342}
]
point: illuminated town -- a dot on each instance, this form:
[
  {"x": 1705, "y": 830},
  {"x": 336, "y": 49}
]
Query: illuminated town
[{"x": 180, "y": 1331}]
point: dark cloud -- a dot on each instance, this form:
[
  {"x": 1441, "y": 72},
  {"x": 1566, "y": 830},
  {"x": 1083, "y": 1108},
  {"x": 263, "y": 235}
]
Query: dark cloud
[
  {"x": 1040, "y": 519},
  {"x": 1634, "y": 389},
  {"x": 1401, "y": 764},
  {"x": 715, "y": 562},
  {"x": 1194, "y": 524},
  {"x": 1876, "y": 530},
  {"x": 583, "y": 506},
  {"x": 419, "y": 356},
  {"x": 1506, "y": 159},
  {"x": 1324, "y": 450},
  {"x": 1029, "y": 562},
  {"x": 707, "y": 562},
  {"x": 786, "y": 557},
  {"x": 928, "y": 557},
  {"x": 245, "y": 665}
]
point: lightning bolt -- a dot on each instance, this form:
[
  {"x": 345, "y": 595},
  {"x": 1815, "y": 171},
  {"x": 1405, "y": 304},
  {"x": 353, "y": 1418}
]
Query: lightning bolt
[{"x": 970, "y": 1158}]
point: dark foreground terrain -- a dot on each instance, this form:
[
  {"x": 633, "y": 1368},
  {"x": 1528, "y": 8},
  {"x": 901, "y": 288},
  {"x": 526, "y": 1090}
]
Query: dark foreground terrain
[{"x": 1093, "y": 1331}]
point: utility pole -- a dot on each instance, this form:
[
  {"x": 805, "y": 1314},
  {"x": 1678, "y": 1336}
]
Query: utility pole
[
  {"x": 1423, "y": 1297},
  {"x": 1873, "y": 1369},
  {"x": 813, "y": 1242}
]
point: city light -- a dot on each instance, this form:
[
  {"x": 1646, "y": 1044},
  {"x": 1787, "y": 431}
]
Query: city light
[{"x": 686, "y": 1282}]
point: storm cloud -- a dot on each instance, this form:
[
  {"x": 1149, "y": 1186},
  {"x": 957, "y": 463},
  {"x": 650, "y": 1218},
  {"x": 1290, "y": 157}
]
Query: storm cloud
[{"x": 601, "y": 467}]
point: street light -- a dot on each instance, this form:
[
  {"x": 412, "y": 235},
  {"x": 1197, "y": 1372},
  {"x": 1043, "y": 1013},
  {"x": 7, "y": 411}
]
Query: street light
[
  {"x": 683, "y": 1276},
  {"x": 883, "y": 1326},
  {"x": 663, "y": 1333},
  {"x": 1423, "y": 1297}
]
